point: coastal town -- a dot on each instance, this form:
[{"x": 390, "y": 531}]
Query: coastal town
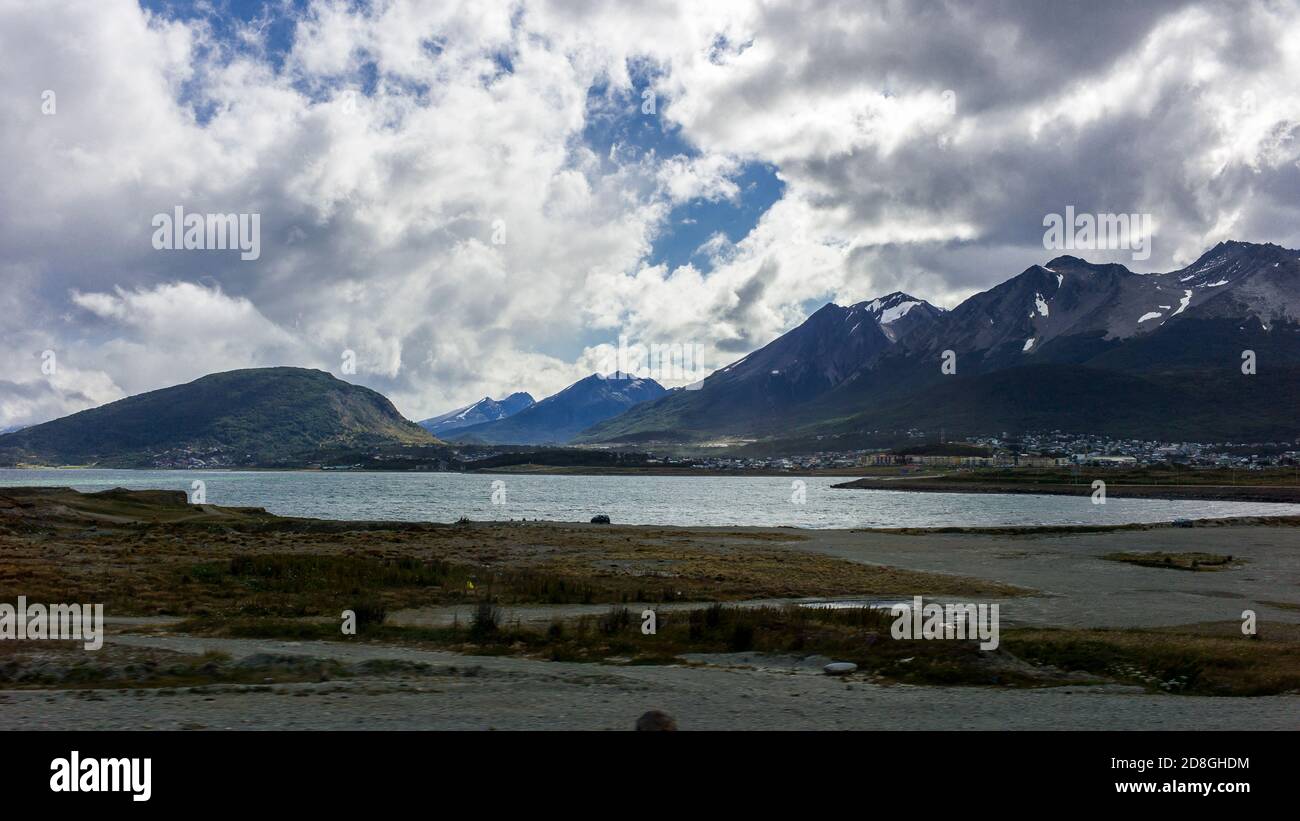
[
  {"x": 1047, "y": 450},
  {"x": 1055, "y": 449}
]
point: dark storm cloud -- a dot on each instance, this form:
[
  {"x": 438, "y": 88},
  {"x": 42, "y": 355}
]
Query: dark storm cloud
[{"x": 1163, "y": 91}]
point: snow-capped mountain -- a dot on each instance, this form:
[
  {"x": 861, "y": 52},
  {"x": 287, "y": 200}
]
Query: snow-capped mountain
[
  {"x": 792, "y": 370},
  {"x": 486, "y": 409},
  {"x": 898, "y": 314},
  {"x": 1067, "y": 344},
  {"x": 1070, "y": 309}
]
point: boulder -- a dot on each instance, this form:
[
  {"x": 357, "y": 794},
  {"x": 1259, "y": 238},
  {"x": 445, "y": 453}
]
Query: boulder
[{"x": 656, "y": 721}]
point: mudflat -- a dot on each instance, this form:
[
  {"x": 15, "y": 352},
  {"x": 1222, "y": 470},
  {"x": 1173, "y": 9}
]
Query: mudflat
[{"x": 1062, "y": 486}]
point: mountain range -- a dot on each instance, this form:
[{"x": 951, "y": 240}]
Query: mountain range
[
  {"x": 1210, "y": 352},
  {"x": 1068, "y": 345},
  {"x": 557, "y": 419}
]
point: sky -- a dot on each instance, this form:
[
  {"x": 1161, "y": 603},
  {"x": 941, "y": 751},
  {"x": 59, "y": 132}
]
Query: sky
[{"x": 469, "y": 199}]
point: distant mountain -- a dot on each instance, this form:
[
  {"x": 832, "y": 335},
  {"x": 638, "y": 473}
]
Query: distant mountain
[
  {"x": 486, "y": 409},
  {"x": 757, "y": 391},
  {"x": 1069, "y": 345},
  {"x": 237, "y": 418},
  {"x": 557, "y": 419},
  {"x": 1070, "y": 310}
]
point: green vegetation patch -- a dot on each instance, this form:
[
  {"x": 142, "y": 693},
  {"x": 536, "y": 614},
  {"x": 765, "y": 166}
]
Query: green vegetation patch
[
  {"x": 857, "y": 634},
  {"x": 1171, "y": 660},
  {"x": 43, "y": 665},
  {"x": 1213, "y": 660},
  {"x": 296, "y": 585}
]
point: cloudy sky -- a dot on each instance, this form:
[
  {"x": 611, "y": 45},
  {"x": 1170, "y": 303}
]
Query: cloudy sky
[{"x": 475, "y": 197}]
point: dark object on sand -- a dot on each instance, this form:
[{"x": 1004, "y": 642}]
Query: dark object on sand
[
  {"x": 600, "y": 519},
  {"x": 656, "y": 720}
]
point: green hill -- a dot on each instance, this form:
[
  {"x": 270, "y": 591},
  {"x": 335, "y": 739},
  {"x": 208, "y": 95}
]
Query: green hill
[{"x": 253, "y": 417}]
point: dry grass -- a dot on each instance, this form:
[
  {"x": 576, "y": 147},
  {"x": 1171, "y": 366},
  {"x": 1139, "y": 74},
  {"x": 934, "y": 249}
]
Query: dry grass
[
  {"x": 1210, "y": 659},
  {"x": 162, "y": 557},
  {"x": 1176, "y": 561},
  {"x": 1215, "y": 660}
]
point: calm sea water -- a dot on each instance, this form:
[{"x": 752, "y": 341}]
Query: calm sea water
[{"x": 664, "y": 500}]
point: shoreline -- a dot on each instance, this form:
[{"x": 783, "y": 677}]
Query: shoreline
[
  {"x": 523, "y": 470},
  {"x": 1279, "y": 519},
  {"x": 1267, "y": 494},
  {"x": 1264, "y": 494}
]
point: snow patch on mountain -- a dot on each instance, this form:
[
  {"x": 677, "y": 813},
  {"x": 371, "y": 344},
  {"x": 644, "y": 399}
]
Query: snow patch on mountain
[{"x": 896, "y": 312}]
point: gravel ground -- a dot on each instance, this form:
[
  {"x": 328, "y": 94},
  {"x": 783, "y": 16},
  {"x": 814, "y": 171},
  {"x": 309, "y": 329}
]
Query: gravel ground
[{"x": 517, "y": 694}]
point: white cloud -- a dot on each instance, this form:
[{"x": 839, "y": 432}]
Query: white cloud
[{"x": 392, "y": 144}]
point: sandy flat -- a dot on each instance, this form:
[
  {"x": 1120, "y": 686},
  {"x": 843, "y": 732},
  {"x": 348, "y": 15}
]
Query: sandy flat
[{"x": 1081, "y": 589}]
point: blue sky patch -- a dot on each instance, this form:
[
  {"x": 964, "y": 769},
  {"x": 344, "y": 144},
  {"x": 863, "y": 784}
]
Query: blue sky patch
[
  {"x": 693, "y": 223},
  {"x": 621, "y": 119},
  {"x": 225, "y": 17}
]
